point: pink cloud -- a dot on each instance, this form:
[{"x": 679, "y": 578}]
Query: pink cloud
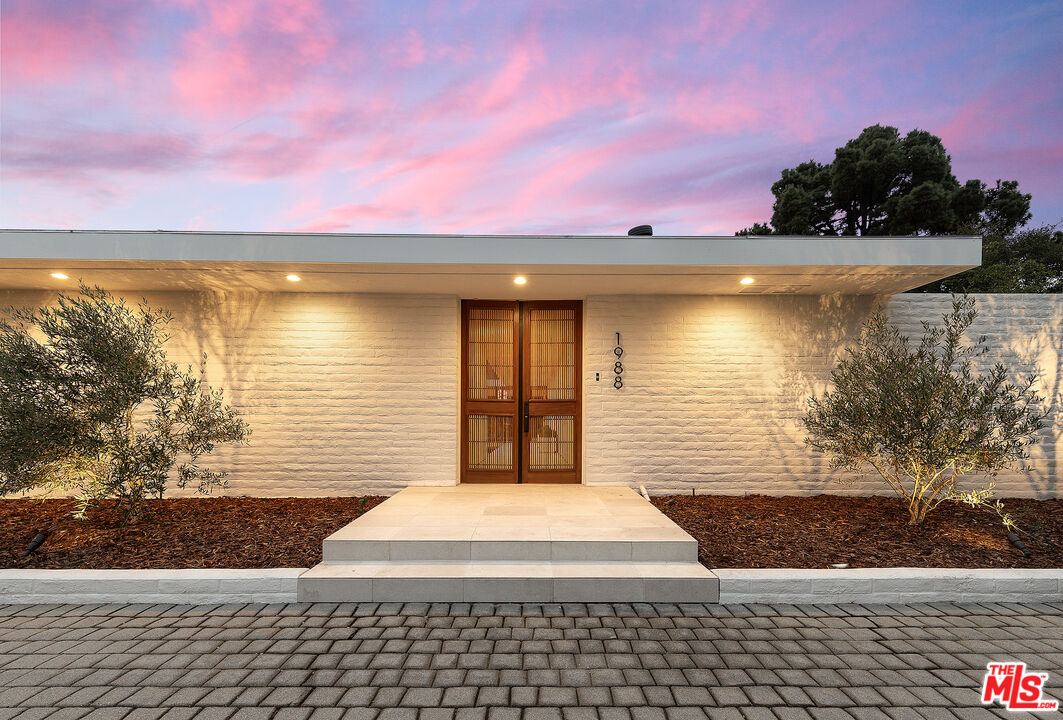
[
  {"x": 244, "y": 54},
  {"x": 866, "y": 23},
  {"x": 349, "y": 217},
  {"x": 994, "y": 115},
  {"x": 514, "y": 107},
  {"x": 561, "y": 180},
  {"x": 505, "y": 85},
  {"x": 716, "y": 26},
  {"x": 265, "y": 155},
  {"x": 89, "y": 152},
  {"x": 45, "y": 42},
  {"x": 409, "y": 50},
  {"x": 499, "y": 116}
]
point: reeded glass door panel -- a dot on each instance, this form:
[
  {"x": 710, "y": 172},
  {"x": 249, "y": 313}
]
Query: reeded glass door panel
[
  {"x": 490, "y": 441},
  {"x": 550, "y": 391},
  {"x": 492, "y": 375},
  {"x": 552, "y": 362},
  {"x": 490, "y": 393},
  {"x": 552, "y": 443}
]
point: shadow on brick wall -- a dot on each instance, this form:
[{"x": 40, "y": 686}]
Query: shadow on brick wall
[{"x": 812, "y": 339}]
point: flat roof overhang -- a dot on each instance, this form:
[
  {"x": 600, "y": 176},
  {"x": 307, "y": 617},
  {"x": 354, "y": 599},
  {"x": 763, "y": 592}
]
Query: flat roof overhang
[{"x": 557, "y": 266}]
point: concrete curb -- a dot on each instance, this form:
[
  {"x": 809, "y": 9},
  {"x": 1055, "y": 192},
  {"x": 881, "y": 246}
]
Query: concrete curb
[
  {"x": 773, "y": 585},
  {"x": 181, "y": 587},
  {"x": 889, "y": 585}
]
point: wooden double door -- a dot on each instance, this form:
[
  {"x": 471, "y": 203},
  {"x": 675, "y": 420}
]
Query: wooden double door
[{"x": 520, "y": 391}]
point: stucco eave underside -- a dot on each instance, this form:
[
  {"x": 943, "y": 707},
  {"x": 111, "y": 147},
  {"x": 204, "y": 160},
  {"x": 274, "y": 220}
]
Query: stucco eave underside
[
  {"x": 480, "y": 266},
  {"x": 472, "y": 280}
]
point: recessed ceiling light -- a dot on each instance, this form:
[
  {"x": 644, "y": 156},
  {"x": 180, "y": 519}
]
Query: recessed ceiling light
[
  {"x": 747, "y": 281},
  {"x": 293, "y": 278},
  {"x": 520, "y": 280},
  {"x": 60, "y": 276}
]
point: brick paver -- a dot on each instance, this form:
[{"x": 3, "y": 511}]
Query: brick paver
[{"x": 483, "y": 661}]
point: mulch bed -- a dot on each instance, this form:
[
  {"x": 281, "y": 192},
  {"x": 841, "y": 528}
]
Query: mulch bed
[
  {"x": 758, "y": 531},
  {"x": 752, "y": 531},
  {"x": 223, "y": 532}
]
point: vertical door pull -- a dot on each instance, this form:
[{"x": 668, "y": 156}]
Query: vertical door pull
[{"x": 527, "y": 415}]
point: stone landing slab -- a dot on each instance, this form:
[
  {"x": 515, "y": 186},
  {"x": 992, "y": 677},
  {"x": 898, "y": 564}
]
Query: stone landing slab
[{"x": 499, "y": 543}]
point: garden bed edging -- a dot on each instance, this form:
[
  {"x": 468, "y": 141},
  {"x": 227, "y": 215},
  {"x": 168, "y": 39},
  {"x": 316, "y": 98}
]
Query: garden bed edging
[
  {"x": 178, "y": 586},
  {"x": 760, "y": 585},
  {"x": 889, "y": 585}
]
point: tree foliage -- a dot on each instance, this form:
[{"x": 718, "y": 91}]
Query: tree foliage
[
  {"x": 920, "y": 415},
  {"x": 881, "y": 183},
  {"x": 1029, "y": 261},
  {"x": 89, "y": 402}
]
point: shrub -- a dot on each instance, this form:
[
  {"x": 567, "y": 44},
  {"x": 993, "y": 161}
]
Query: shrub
[
  {"x": 89, "y": 403},
  {"x": 921, "y": 416}
]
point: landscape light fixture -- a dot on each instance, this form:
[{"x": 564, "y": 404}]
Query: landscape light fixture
[
  {"x": 292, "y": 278},
  {"x": 747, "y": 281},
  {"x": 60, "y": 276},
  {"x": 520, "y": 280}
]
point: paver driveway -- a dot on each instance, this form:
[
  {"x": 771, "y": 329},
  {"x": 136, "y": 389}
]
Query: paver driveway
[{"x": 507, "y": 662}]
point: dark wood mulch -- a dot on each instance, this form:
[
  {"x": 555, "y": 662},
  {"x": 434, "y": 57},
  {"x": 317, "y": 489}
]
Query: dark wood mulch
[
  {"x": 816, "y": 532},
  {"x": 224, "y": 532},
  {"x": 752, "y": 531}
]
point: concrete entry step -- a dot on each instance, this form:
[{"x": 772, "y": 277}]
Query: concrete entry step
[
  {"x": 512, "y": 522},
  {"x": 509, "y": 582},
  {"x": 658, "y": 550},
  {"x": 511, "y": 542}
]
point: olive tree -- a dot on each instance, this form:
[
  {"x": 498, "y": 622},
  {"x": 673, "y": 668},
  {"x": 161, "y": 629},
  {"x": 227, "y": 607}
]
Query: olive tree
[
  {"x": 921, "y": 415},
  {"x": 89, "y": 403}
]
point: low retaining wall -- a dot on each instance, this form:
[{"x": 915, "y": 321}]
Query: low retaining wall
[
  {"x": 181, "y": 587},
  {"x": 858, "y": 585},
  {"x": 889, "y": 585}
]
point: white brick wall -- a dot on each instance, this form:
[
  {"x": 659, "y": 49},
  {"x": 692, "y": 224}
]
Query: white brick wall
[
  {"x": 715, "y": 386},
  {"x": 349, "y": 393},
  {"x": 1025, "y": 332},
  {"x": 345, "y": 394}
]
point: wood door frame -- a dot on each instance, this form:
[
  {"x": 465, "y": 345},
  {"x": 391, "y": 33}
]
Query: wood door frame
[{"x": 520, "y": 471}]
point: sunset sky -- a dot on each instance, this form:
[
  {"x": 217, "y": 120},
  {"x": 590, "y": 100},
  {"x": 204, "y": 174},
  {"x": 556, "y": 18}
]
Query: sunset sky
[{"x": 497, "y": 116}]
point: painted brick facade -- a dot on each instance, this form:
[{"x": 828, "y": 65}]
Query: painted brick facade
[
  {"x": 715, "y": 386},
  {"x": 345, "y": 394},
  {"x": 350, "y": 394}
]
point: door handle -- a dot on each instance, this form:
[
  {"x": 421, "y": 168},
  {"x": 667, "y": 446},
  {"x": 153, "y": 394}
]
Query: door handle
[{"x": 527, "y": 415}]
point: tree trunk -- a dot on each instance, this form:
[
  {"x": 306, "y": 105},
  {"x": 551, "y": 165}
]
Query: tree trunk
[
  {"x": 135, "y": 510},
  {"x": 135, "y": 513},
  {"x": 917, "y": 512}
]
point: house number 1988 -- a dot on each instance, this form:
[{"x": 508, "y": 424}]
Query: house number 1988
[{"x": 618, "y": 367}]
